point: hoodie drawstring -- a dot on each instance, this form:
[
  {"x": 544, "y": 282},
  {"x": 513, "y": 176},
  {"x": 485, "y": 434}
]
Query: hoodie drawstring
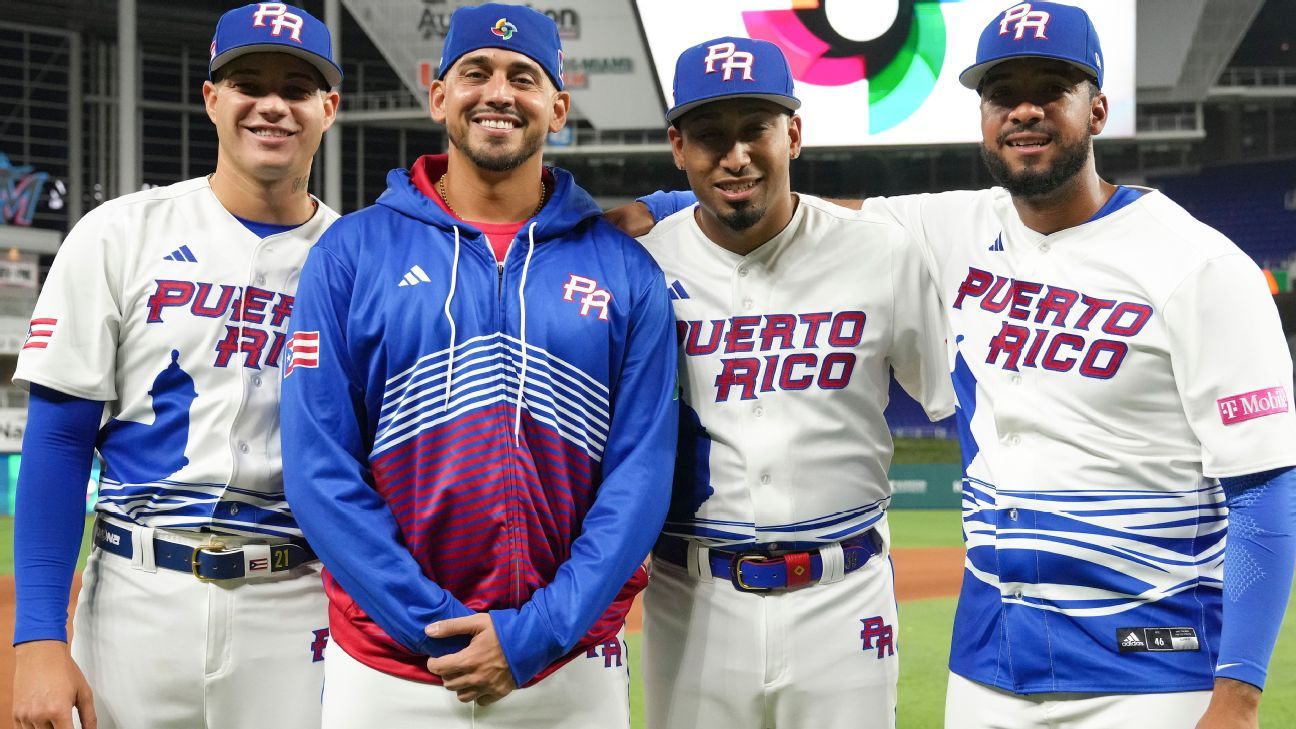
[
  {"x": 517, "y": 416},
  {"x": 454, "y": 276}
]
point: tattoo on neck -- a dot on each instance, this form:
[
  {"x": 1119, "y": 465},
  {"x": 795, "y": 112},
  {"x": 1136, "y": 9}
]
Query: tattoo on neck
[{"x": 299, "y": 184}]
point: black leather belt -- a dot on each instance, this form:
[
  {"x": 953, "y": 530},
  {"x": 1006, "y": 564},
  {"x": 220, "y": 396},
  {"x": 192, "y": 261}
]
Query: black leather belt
[
  {"x": 761, "y": 572},
  {"x": 210, "y": 561}
]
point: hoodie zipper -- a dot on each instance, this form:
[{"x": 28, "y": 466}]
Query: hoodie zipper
[{"x": 511, "y": 516}]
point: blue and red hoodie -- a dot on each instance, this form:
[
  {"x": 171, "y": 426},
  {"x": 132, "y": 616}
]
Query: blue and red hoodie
[{"x": 462, "y": 436}]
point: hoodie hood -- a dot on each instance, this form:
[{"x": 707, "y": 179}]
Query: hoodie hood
[{"x": 568, "y": 205}]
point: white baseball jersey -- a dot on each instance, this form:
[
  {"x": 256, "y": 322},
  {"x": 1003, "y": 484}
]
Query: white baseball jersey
[
  {"x": 785, "y": 358},
  {"x": 1106, "y": 374},
  {"x": 167, "y": 308}
]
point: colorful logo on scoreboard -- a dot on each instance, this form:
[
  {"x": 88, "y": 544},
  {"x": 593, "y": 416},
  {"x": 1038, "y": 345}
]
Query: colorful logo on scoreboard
[{"x": 845, "y": 43}]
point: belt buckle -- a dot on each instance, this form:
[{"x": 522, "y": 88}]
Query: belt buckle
[
  {"x": 211, "y": 545},
  {"x": 735, "y": 571}
]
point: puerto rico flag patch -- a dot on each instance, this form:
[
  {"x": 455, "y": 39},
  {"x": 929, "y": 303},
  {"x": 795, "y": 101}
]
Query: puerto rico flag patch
[
  {"x": 1252, "y": 405},
  {"x": 39, "y": 333},
  {"x": 303, "y": 351}
]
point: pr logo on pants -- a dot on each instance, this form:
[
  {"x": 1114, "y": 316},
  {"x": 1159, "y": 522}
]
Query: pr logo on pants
[
  {"x": 611, "y": 650},
  {"x": 319, "y": 644},
  {"x": 877, "y": 635}
]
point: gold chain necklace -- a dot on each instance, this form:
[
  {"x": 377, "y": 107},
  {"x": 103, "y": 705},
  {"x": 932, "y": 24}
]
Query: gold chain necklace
[{"x": 441, "y": 190}]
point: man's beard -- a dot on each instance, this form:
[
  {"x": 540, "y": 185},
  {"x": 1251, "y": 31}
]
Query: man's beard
[
  {"x": 1037, "y": 182},
  {"x": 742, "y": 218},
  {"x": 500, "y": 161}
]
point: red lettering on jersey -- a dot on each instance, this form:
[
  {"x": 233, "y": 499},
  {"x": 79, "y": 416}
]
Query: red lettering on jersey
[
  {"x": 741, "y": 331},
  {"x": 227, "y": 347},
  {"x": 813, "y": 322},
  {"x": 694, "y": 347},
  {"x": 771, "y": 369},
  {"x": 1115, "y": 352},
  {"x": 847, "y": 329},
  {"x": 835, "y": 370},
  {"x": 1057, "y": 302},
  {"x": 167, "y": 294},
  {"x": 1009, "y": 341},
  {"x": 276, "y": 349},
  {"x": 780, "y": 327},
  {"x": 975, "y": 285},
  {"x": 1000, "y": 285},
  {"x": 253, "y": 341},
  {"x": 281, "y": 311},
  {"x": 1036, "y": 343},
  {"x": 1092, "y": 307},
  {"x": 789, "y": 380},
  {"x": 1053, "y": 362},
  {"x": 1138, "y": 316},
  {"x": 1022, "y": 294},
  {"x": 254, "y": 303},
  {"x": 737, "y": 372},
  {"x": 219, "y": 309}
]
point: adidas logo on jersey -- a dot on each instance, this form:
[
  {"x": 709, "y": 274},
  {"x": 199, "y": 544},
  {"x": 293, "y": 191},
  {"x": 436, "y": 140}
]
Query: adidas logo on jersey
[
  {"x": 415, "y": 276},
  {"x": 997, "y": 246},
  {"x": 182, "y": 254},
  {"x": 677, "y": 292},
  {"x": 1132, "y": 640}
]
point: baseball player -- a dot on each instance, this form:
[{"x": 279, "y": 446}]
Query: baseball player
[
  {"x": 772, "y": 600},
  {"x": 479, "y": 416},
  {"x": 1124, "y": 398},
  {"x": 158, "y": 340}
]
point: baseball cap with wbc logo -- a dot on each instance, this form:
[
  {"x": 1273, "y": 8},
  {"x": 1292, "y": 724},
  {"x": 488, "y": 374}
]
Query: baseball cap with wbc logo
[
  {"x": 1038, "y": 30},
  {"x": 731, "y": 67},
  {"x": 514, "y": 28},
  {"x": 274, "y": 28}
]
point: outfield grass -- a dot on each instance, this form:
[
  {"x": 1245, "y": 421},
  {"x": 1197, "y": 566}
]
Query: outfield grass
[{"x": 926, "y": 451}]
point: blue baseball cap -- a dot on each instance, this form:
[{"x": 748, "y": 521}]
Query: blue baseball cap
[
  {"x": 514, "y": 28},
  {"x": 1038, "y": 30},
  {"x": 729, "y": 68},
  {"x": 274, "y": 28}
]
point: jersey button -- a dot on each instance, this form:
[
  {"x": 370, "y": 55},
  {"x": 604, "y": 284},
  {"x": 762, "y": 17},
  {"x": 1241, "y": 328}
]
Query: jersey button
[
  {"x": 748, "y": 304},
  {"x": 260, "y": 280},
  {"x": 1014, "y": 439},
  {"x": 233, "y": 509},
  {"x": 758, "y": 411},
  {"x": 742, "y": 270},
  {"x": 1044, "y": 247},
  {"x": 765, "y": 478},
  {"x": 256, "y": 380},
  {"x": 1016, "y": 379},
  {"x": 243, "y": 448},
  {"x": 1012, "y": 514}
]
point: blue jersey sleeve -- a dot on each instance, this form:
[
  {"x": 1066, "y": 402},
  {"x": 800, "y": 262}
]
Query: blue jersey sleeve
[
  {"x": 664, "y": 204},
  {"x": 58, "y": 449},
  {"x": 628, "y": 512},
  {"x": 326, "y": 473},
  {"x": 1258, "y": 568}
]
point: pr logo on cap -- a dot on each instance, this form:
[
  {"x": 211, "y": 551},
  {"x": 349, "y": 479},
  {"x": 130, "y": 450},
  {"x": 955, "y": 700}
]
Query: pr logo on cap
[
  {"x": 504, "y": 29},
  {"x": 1026, "y": 18},
  {"x": 282, "y": 20},
  {"x": 733, "y": 58}
]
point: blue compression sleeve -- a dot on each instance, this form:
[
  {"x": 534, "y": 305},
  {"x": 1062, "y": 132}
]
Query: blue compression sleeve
[
  {"x": 58, "y": 447},
  {"x": 665, "y": 204},
  {"x": 1258, "y": 568}
]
